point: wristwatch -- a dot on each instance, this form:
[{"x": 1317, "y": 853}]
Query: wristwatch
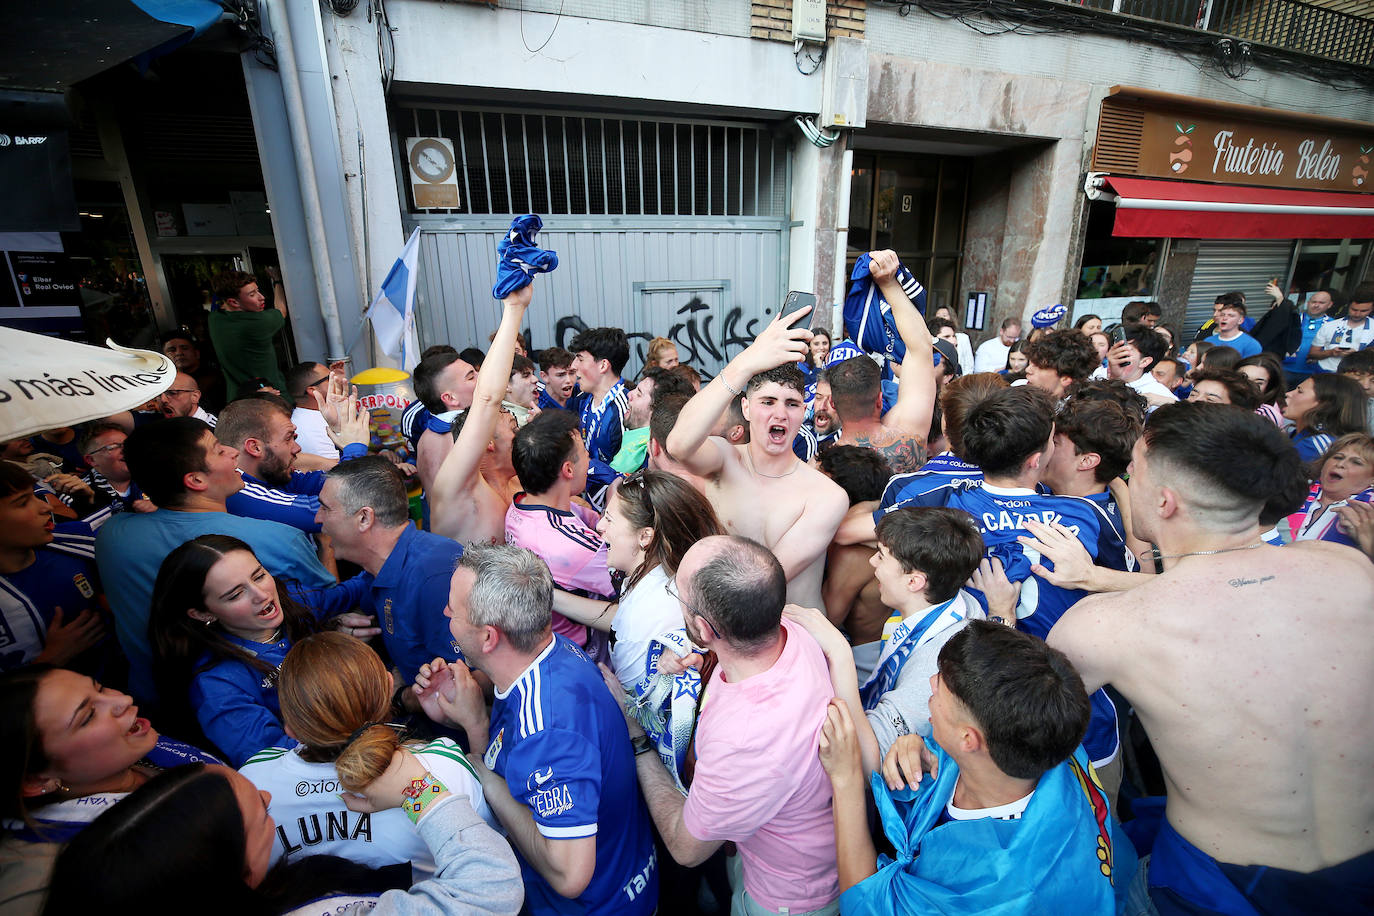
[{"x": 642, "y": 744}]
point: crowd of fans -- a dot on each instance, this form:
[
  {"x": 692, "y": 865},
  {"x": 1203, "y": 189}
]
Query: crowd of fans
[{"x": 1077, "y": 622}]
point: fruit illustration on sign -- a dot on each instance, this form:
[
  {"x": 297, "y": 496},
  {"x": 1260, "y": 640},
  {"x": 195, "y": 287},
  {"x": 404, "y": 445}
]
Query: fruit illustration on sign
[
  {"x": 1360, "y": 172},
  {"x": 1179, "y": 159}
]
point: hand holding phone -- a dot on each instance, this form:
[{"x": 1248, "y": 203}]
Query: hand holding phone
[{"x": 795, "y": 302}]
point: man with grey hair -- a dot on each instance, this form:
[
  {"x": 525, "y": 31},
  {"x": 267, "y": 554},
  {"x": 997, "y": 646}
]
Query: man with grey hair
[
  {"x": 558, "y": 770},
  {"x": 365, "y": 512},
  {"x": 758, "y": 780}
]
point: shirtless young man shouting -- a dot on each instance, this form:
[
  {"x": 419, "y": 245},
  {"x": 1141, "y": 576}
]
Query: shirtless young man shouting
[
  {"x": 761, "y": 489},
  {"x": 1252, "y": 670}
]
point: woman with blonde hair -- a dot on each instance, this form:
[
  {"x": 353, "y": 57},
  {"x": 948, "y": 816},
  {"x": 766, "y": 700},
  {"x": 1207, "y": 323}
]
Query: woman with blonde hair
[
  {"x": 662, "y": 353},
  {"x": 335, "y": 696}
]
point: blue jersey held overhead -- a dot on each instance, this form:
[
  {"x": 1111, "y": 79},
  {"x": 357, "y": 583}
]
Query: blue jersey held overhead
[{"x": 559, "y": 741}]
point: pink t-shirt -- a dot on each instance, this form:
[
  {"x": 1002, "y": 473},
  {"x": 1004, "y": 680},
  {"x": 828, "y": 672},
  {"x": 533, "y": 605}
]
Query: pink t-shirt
[
  {"x": 568, "y": 542},
  {"x": 759, "y": 780}
]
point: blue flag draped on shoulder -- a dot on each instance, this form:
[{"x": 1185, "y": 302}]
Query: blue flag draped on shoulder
[
  {"x": 1064, "y": 854},
  {"x": 393, "y": 310},
  {"x": 868, "y": 318}
]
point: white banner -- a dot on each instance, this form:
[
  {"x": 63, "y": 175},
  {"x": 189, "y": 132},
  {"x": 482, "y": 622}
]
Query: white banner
[{"x": 47, "y": 382}]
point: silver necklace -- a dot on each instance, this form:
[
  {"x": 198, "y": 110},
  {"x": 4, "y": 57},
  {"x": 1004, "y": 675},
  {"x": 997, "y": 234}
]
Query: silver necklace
[
  {"x": 796, "y": 462},
  {"x": 1156, "y": 555}
]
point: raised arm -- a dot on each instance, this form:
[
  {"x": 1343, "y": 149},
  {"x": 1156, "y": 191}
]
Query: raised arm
[
  {"x": 779, "y": 343},
  {"x": 459, "y": 469},
  {"x": 916, "y": 385}
]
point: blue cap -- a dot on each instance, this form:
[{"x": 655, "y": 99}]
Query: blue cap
[{"x": 1049, "y": 316}]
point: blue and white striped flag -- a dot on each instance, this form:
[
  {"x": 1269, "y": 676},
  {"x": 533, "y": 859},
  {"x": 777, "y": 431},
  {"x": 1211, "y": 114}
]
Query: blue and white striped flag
[{"x": 393, "y": 310}]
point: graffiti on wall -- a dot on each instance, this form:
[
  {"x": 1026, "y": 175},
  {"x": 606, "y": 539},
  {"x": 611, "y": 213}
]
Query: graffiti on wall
[{"x": 702, "y": 341}]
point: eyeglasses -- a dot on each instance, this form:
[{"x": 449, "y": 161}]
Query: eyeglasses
[
  {"x": 309, "y": 385},
  {"x": 672, "y": 590},
  {"x": 105, "y": 448},
  {"x": 182, "y": 391}
]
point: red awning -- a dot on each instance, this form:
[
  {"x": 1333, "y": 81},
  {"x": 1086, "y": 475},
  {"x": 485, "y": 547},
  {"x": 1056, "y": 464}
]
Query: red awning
[{"x": 1153, "y": 208}]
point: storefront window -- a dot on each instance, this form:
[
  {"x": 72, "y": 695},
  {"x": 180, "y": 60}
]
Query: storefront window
[
  {"x": 1115, "y": 270},
  {"x": 1334, "y": 264}
]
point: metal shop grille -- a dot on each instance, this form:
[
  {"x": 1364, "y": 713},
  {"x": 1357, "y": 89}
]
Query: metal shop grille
[{"x": 513, "y": 162}]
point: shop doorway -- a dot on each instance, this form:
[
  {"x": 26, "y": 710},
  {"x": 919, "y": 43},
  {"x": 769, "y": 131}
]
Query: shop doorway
[{"x": 915, "y": 205}]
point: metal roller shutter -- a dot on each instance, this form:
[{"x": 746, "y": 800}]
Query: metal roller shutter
[{"x": 1247, "y": 266}]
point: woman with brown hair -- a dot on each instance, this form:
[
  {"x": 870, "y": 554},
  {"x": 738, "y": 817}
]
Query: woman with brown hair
[
  {"x": 651, "y": 520},
  {"x": 220, "y": 626},
  {"x": 335, "y": 696},
  {"x": 70, "y": 748}
]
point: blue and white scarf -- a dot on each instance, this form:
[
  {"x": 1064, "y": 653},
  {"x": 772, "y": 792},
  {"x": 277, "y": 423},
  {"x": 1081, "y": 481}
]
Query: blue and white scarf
[{"x": 908, "y": 636}]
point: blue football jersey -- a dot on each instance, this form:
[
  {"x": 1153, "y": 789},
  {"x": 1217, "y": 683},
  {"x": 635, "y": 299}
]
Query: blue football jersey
[
  {"x": 939, "y": 471},
  {"x": 603, "y": 423},
  {"x": 1001, "y": 514},
  {"x": 62, "y": 575},
  {"x": 559, "y": 740}
]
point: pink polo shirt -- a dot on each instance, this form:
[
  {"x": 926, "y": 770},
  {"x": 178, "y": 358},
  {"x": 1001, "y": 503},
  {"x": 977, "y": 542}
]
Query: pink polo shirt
[{"x": 759, "y": 780}]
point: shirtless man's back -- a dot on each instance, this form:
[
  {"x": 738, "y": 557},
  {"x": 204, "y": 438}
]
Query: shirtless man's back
[
  {"x": 1258, "y": 697},
  {"x": 1251, "y": 667}
]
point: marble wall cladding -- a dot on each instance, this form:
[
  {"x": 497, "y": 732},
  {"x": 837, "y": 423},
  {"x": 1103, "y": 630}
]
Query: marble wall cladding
[
  {"x": 1177, "y": 281},
  {"x": 1026, "y": 201}
]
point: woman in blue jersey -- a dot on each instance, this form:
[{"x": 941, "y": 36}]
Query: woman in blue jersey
[
  {"x": 1323, "y": 408},
  {"x": 220, "y": 626},
  {"x": 335, "y": 697},
  {"x": 199, "y": 839},
  {"x": 69, "y": 749}
]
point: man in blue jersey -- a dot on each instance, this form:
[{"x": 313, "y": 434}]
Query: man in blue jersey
[
  {"x": 1315, "y": 313},
  {"x": 1092, "y": 447},
  {"x": 558, "y": 768},
  {"x": 601, "y": 355},
  {"x": 559, "y": 379},
  {"x": 365, "y": 514},
  {"x": 1010, "y": 436},
  {"x": 50, "y": 605},
  {"x": 188, "y": 474},
  {"x": 956, "y": 400},
  {"x": 262, "y": 433}
]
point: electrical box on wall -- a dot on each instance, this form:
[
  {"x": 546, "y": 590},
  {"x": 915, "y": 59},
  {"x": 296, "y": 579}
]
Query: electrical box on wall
[
  {"x": 844, "y": 93},
  {"x": 808, "y": 20}
]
